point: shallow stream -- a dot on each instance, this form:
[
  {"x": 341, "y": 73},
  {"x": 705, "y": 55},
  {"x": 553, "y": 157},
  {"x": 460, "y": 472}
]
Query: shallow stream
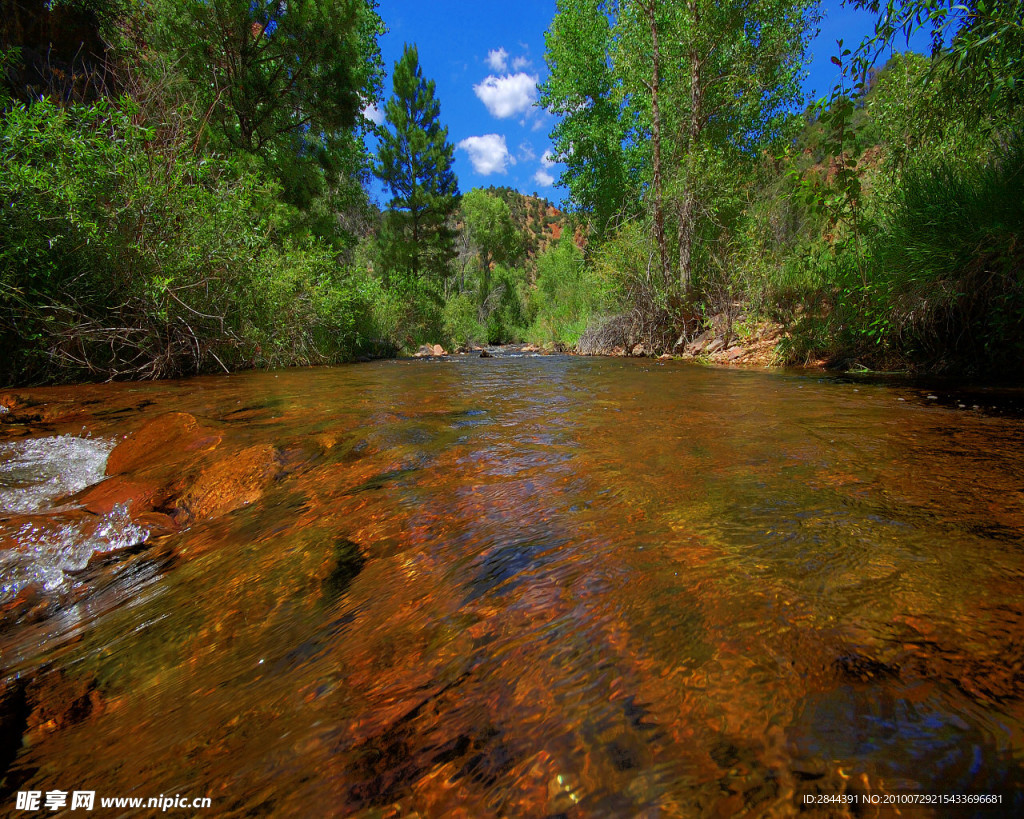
[{"x": 523, "y": 586}]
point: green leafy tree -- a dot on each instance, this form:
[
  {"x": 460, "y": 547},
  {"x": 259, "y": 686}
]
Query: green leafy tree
[
  {"x": 489, "y": 222},
  {"x": 672, "y": 100},
  {"x": 415, "y": 163},
  {"x": 978, "y": 49},
  {"x": 597, "y": 135},
  {"x": 281, "y": 81},
  {"x": 727, "y": 77}
]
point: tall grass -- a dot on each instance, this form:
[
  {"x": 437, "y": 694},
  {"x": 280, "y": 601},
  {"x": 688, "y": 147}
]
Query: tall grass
[{"x": 951, "y": 254}]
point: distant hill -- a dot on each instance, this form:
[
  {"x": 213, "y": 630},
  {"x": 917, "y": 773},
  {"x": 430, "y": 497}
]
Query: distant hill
[{"x": 540, "y": 222}]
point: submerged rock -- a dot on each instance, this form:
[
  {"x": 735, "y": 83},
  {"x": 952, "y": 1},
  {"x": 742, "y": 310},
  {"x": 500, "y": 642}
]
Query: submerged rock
[
  {"x": 56, "y": 700},
  {"x": 228, "y": 483},
  {"x": 167, "y": 439},
  {"x": 176, "y": 469}
]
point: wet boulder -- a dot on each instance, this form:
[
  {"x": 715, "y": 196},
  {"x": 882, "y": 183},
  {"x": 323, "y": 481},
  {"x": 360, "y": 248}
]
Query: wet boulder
[
  {"x": 177, "y": 469},
  {"x": 166, "y": 440},
  {"x": 145, "y": 469},
  {"x": 227, "y": 483}
]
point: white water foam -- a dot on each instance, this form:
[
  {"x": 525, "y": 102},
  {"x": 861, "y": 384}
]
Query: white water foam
[
  {"x": 42, "y": 550},
  {"x": 35, "y": 471}
]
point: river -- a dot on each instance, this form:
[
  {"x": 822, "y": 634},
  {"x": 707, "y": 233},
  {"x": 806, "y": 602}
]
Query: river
[{"x": 518, "y": 586}]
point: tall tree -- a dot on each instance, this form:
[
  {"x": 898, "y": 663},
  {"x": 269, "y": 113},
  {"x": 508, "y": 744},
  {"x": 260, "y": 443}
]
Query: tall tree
[
  {"x": 597, "y": 135},
  {"x": 281, "y": 80},
  {"x": 650, "y": 13},
  {"x": 414, "y": 161},
  {"x": 489, "y": 222},
  {"x": 730, "y": 85},
  {"x": 675, "y": 97}
]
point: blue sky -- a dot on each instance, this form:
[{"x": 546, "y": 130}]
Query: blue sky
[{"x": 487, "y": 58}]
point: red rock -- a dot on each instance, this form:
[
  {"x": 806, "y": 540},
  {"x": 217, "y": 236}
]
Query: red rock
[
  {"x": 58, "y": 700},
  {"x": 139, "y": 492},
  {"x": 228, "y": 483},
  {"x": 167, "y": 439}
]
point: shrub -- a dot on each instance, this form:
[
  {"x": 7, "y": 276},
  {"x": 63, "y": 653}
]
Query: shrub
[
  {"x": 952, "y": 249},
  {"x": 461, "y": 327},
  {"x": 125, "y": 256},
  {"x": 567, "y": 295}
]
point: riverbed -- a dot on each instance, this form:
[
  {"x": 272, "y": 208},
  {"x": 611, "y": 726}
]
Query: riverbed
[{"x": 517, "y": 586}]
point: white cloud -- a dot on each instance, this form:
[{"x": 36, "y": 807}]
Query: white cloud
[
  {"x": 543, "y": 178},
  {"x": 519, "y": 63},
  {"x": 374, "y": 114},
  {"x": 507, "y": 95},
  {"x": 497, "y": 59},
  {"x": 488, "y": 153},
  {"x": 525, "y": 151}
]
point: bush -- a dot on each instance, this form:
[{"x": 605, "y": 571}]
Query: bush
[
  {"x": 952, "y": 248},
  {"x": 507, "y": 307},
  {"x": 461, "y": 327},
  {"x": 125, "y": 256},
  {"x": 567, "y": 295}
]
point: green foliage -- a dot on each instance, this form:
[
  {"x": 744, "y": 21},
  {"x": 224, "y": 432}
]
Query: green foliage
[
  {"x": 283, "y": 82},
  {"x": 489, "y": 222},
  {"x": 459, "y": 321},
  {"x": 125, "y": 257},
  {"x": 568, "y": 294},
  {"x": 978, "y": 50},
  {"x": 951, "y": 249},
  {"x": 597, "y": 136},
  {"x": 673, "y": 103},
  {"x": 415, "y": 164},
  {"x": 507, "y": 306}
]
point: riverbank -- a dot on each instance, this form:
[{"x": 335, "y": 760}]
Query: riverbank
[{"x": 735, "y": 344}]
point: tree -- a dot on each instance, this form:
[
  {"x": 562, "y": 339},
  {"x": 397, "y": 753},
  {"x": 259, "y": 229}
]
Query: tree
[
  {"x": 673, "y": 100},
  {"x": 596, "y": 135},
  {"x": 489, "y": 223},
  {"x": 414, "y": 161},
  {"x": 284, "y": 82},
  {"x": 978, "y": 49}
]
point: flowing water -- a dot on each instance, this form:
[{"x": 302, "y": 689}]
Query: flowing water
[{"x": 529, "y": 586}]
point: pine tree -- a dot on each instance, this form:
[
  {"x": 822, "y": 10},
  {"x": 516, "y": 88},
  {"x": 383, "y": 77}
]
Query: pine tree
[{"x": 415, "y": 164}]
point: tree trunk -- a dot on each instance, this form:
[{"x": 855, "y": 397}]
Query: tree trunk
[
  {"x": 659, "y": 215},
  {"x": 485, "y": 268},
  {"x": 688, "y": 205}
]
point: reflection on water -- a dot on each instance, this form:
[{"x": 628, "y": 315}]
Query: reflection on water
[{"x": 550, "y": 586}]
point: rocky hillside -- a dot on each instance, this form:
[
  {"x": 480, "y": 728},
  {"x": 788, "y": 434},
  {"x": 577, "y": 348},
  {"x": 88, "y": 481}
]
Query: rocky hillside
[{"x": 539, "y": 221}]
